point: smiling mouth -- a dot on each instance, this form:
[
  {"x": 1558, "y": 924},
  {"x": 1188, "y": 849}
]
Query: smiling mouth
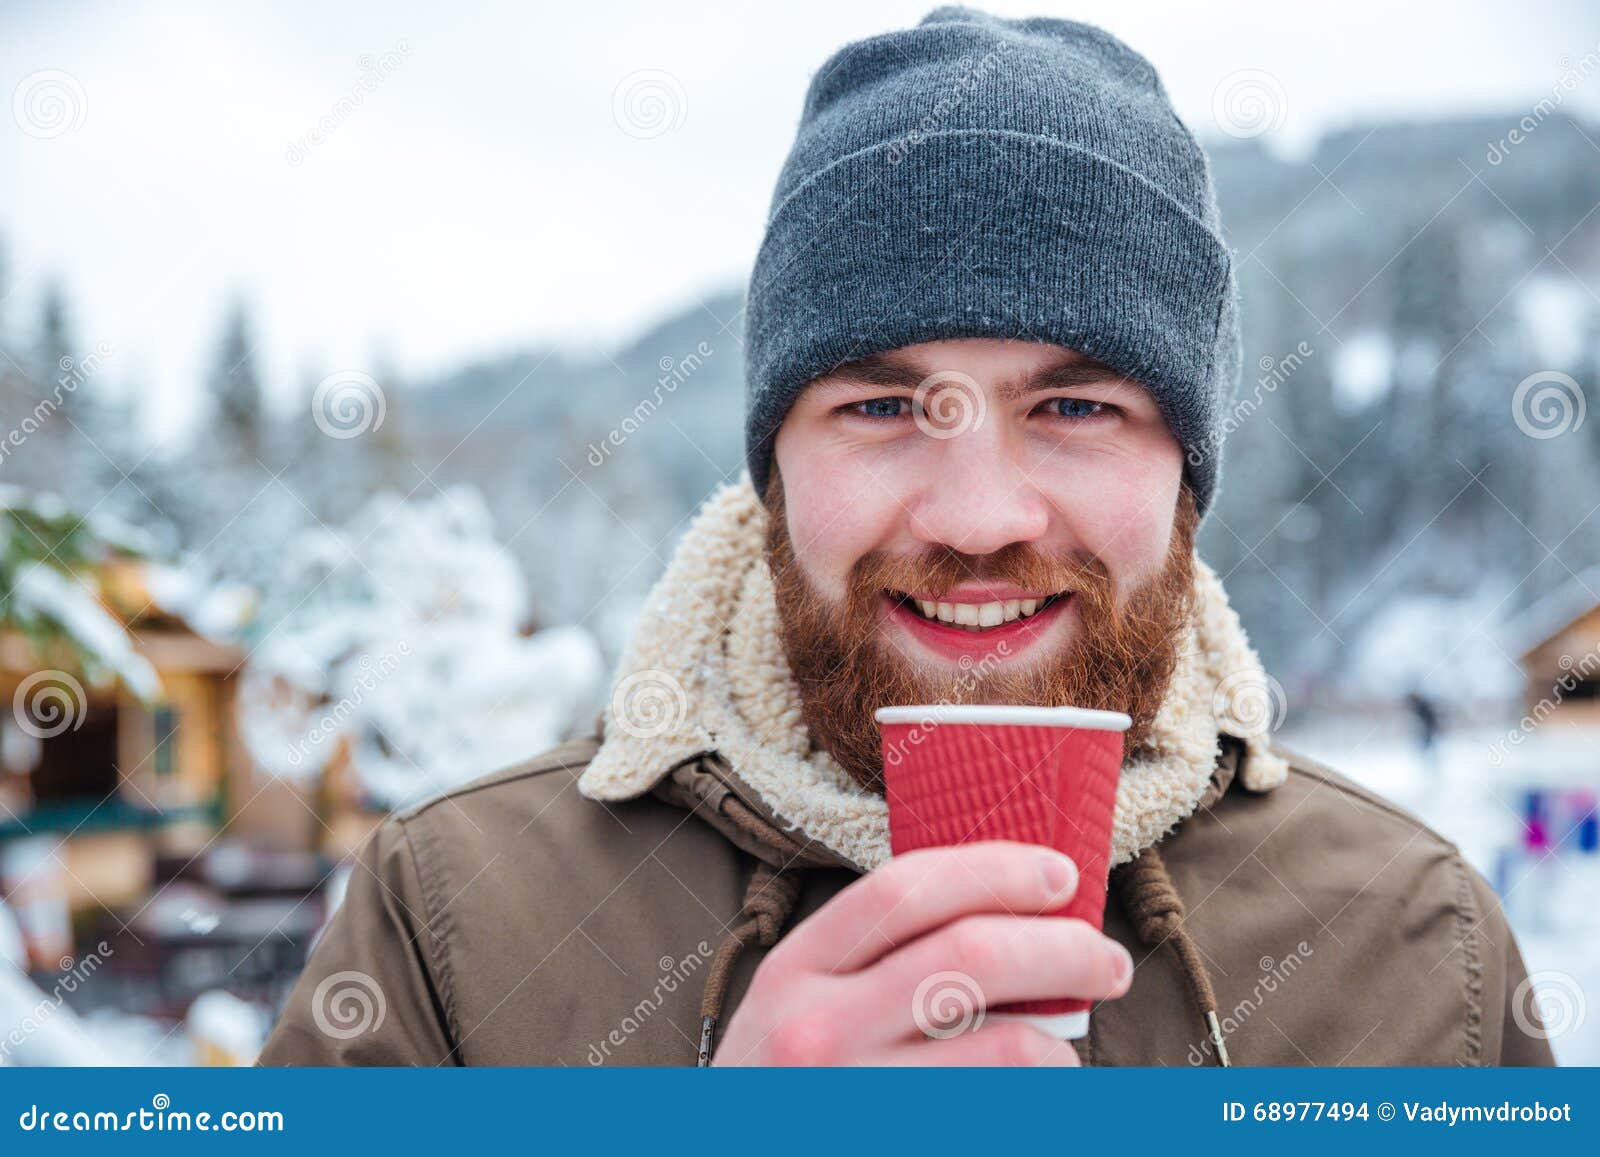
[{"x": 975, "y": 618}]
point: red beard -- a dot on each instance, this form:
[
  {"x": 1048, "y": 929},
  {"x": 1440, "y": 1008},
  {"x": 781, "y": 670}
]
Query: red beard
[{"x": 1121, "y": 658}]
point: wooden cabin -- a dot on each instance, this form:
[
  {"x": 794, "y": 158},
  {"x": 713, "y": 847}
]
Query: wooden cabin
[
  {"x": 114, "y": 781},
  {"x": 1560, "y": 657}
]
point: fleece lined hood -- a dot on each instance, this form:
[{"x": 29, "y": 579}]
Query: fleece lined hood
[{"x": 705, "y": 673}]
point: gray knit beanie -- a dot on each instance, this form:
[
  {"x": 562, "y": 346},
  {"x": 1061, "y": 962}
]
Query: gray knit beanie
[{"x": 980, "y": 177}]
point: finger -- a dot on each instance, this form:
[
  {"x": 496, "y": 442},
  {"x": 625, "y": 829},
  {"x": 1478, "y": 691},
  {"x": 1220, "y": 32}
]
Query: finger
[
  {"x": 919, "y": 891},
  {"x": 983, "y": 961},
  {"x": 998, "y": 1042}
]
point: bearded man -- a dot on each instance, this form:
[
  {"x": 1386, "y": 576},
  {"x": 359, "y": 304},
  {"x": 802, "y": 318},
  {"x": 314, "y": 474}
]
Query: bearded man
[{"x": 992, "y": 332}]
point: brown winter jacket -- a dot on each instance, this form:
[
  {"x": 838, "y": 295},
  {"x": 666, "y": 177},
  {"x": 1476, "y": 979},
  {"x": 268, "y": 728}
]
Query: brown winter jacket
[{"x": 516, "y": 921}]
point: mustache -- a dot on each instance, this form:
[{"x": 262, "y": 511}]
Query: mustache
[{"x": 941, "y": 569}]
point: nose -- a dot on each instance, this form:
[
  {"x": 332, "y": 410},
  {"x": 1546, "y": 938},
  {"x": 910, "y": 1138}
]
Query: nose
[{"x": 976, "y": 497}]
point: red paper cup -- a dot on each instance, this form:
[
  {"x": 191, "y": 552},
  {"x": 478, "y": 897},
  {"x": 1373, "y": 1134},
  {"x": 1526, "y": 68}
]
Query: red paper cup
[{"x": 1041, "y": 775}]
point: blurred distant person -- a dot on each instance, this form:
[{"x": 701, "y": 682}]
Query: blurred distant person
[
  {"x": 991, "y": 340},
  {"x": 1428, "y": 726}
]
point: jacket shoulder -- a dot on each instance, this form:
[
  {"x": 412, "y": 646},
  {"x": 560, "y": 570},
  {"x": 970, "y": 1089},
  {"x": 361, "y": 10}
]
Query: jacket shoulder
[
  {"x": 1310, "y": 778},
  {"x": 507, "y": 783},
  {"x": 524, "y": 839},
  {"x": 512, "y": 920},
  {"x": 1379, "y": 907}
]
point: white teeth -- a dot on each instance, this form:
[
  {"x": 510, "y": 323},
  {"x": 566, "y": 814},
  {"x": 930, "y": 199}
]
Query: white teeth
[{"x": 979, "y": 616}]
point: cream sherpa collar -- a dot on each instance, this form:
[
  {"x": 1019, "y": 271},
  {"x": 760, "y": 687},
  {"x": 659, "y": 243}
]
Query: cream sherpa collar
[{"x": 705, "y": 671}]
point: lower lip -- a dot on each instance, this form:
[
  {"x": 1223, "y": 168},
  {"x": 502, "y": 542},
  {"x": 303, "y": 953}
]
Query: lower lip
[{"x": 956, "y": 643}]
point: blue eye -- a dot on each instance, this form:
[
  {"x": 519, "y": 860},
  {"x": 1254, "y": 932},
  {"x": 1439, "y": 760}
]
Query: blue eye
[
  {"x": 1073, "y": 407},
  {"x": 880, "y": 407}
]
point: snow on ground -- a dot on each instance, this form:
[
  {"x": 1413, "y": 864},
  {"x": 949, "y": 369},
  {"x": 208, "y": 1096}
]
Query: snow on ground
[{"x": 1445, "y": 647}]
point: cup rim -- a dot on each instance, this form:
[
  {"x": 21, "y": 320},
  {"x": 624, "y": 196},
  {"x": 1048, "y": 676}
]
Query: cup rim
[{"x": 1005, "y": 715}]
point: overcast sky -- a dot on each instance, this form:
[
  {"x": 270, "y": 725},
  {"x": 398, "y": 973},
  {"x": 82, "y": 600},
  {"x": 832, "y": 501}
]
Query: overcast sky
[{"x": 497, "y": 186}]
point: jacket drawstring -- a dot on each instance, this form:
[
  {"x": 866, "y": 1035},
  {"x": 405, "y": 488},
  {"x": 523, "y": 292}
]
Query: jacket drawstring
[
  {"x": 1144, "y": 887},
  {"x": 1152, "y": 903},
  {"x": 769, "y": 900}
]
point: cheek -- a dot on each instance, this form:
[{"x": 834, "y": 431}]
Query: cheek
[
  {"x": 1123, "y": 515},
  {"x": 832, "y": 525}
]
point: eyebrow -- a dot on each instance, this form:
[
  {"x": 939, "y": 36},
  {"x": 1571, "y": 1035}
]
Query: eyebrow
[{"x": 893, "y": 373}]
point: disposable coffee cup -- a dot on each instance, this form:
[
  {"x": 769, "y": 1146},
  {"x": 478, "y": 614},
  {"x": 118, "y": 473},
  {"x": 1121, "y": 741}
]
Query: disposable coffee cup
[{"x": 1040, "y": 775}]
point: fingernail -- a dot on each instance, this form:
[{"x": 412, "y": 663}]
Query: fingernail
[
  {"x": 1059, "y": 872},
  {"x": 1121, "y": 962}
]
